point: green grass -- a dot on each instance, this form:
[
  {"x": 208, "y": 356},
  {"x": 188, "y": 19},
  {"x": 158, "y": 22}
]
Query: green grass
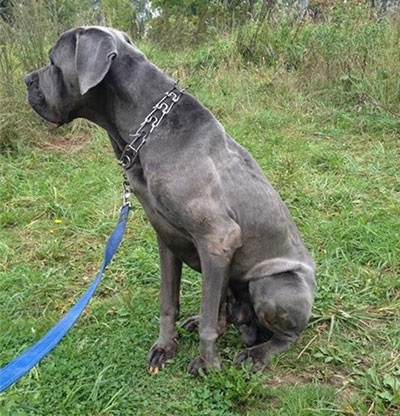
[{"x": 334, "y": 162}]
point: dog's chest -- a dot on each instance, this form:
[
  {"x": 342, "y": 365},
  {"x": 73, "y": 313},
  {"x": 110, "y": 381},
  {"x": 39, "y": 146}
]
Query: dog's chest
[{"x": 176, "y": 238}]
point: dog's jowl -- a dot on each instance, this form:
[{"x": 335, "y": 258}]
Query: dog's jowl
[{"x": 205, "y": 196}]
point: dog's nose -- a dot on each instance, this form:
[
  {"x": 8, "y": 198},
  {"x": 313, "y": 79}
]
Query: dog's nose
[{"x": 28, "y": 80}]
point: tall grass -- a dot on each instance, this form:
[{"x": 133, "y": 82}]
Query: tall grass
[{"x": 350, "y": 60}]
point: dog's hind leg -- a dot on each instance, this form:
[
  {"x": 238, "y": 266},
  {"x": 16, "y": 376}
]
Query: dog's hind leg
[
  {"x": 225, "y": 316},
  {"x": 192, "y": 323},
  {"x": 282, "y": 303},
  {"x": 258, "y": 355},
  {"x": 166, "y": 345}
]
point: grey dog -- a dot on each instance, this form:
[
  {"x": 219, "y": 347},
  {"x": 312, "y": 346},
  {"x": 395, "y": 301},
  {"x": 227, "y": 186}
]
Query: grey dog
[{"x": 205, "y": 196}]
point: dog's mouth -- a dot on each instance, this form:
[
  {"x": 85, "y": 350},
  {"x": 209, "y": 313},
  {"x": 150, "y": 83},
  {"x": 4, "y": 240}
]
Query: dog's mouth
[
  {"x": 52, "y": 126},
  {"x": 51, "y": 122},
  {"x": 39, "y": 104},
  {"x": 54, "y": 121}
]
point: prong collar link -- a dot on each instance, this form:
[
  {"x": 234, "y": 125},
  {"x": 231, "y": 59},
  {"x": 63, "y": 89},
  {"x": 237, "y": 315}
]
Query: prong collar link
[{"x": 153, "y": 119}]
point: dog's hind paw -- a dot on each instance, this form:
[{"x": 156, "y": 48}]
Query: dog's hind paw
[
  {"x": 251, "y": 357},
  {"x": 242, "y": 358},
  {"x": 199, "y": 366},
  {"x": 191, "y": 324}
]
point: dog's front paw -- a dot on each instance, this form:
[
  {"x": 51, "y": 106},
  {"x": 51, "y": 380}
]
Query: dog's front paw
[
  {"x": 200, "y": 365},
  {"x": 251, "y": 356},
  {"x": 159, "y": 354}
]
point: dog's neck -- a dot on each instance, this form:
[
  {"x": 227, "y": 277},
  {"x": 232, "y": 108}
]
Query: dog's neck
[{"x": 123, "y": 103}]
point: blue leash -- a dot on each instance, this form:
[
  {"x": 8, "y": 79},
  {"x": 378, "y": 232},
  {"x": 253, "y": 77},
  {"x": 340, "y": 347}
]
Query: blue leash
[{"x": 29, "y": 358}]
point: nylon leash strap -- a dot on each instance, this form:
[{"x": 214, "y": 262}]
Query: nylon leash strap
[{"x": 29, "y": 358}]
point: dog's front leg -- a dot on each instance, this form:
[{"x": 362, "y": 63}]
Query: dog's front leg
[
  {"x": 166, "y": 345},
  {"x": 214, "y": 278},
  {"x": 215, "y": 256}
]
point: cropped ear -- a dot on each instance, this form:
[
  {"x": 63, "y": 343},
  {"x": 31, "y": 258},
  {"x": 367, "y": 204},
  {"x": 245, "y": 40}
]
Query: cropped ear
[{"x": 95, "y": 51}]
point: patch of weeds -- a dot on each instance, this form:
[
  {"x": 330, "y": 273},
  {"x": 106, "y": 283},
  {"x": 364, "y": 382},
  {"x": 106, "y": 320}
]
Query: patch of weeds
[
  {"x": 381, "y": 385},
  {"x": 238, "y": 387}
]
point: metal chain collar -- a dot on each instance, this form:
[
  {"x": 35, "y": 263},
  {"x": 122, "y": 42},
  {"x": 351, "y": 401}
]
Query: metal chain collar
[{"x": 153, "y": 119}]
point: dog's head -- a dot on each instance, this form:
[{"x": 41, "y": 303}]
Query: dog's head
[{"x": 79, "y": 62}]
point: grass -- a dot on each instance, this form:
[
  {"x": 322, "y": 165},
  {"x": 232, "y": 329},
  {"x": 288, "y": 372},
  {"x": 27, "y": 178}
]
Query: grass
[{"x": 334, "y": 160}]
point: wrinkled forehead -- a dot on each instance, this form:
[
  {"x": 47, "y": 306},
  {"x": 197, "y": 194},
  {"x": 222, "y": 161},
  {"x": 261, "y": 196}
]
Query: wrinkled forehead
[
  {"x": 66, "y": 43},
  {"x": 120, "y": 37},
  {"x": 64, "y": 48}
]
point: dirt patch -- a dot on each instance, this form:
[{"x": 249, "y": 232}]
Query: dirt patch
[
  {"x": 66, "y": 143},
  {"x": 291, "y": 379},
  {"x": 341, "y": 382}
]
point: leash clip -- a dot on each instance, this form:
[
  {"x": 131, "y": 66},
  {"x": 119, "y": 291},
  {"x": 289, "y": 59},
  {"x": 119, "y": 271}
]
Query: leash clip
[{"x": 125, "y": 196}]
